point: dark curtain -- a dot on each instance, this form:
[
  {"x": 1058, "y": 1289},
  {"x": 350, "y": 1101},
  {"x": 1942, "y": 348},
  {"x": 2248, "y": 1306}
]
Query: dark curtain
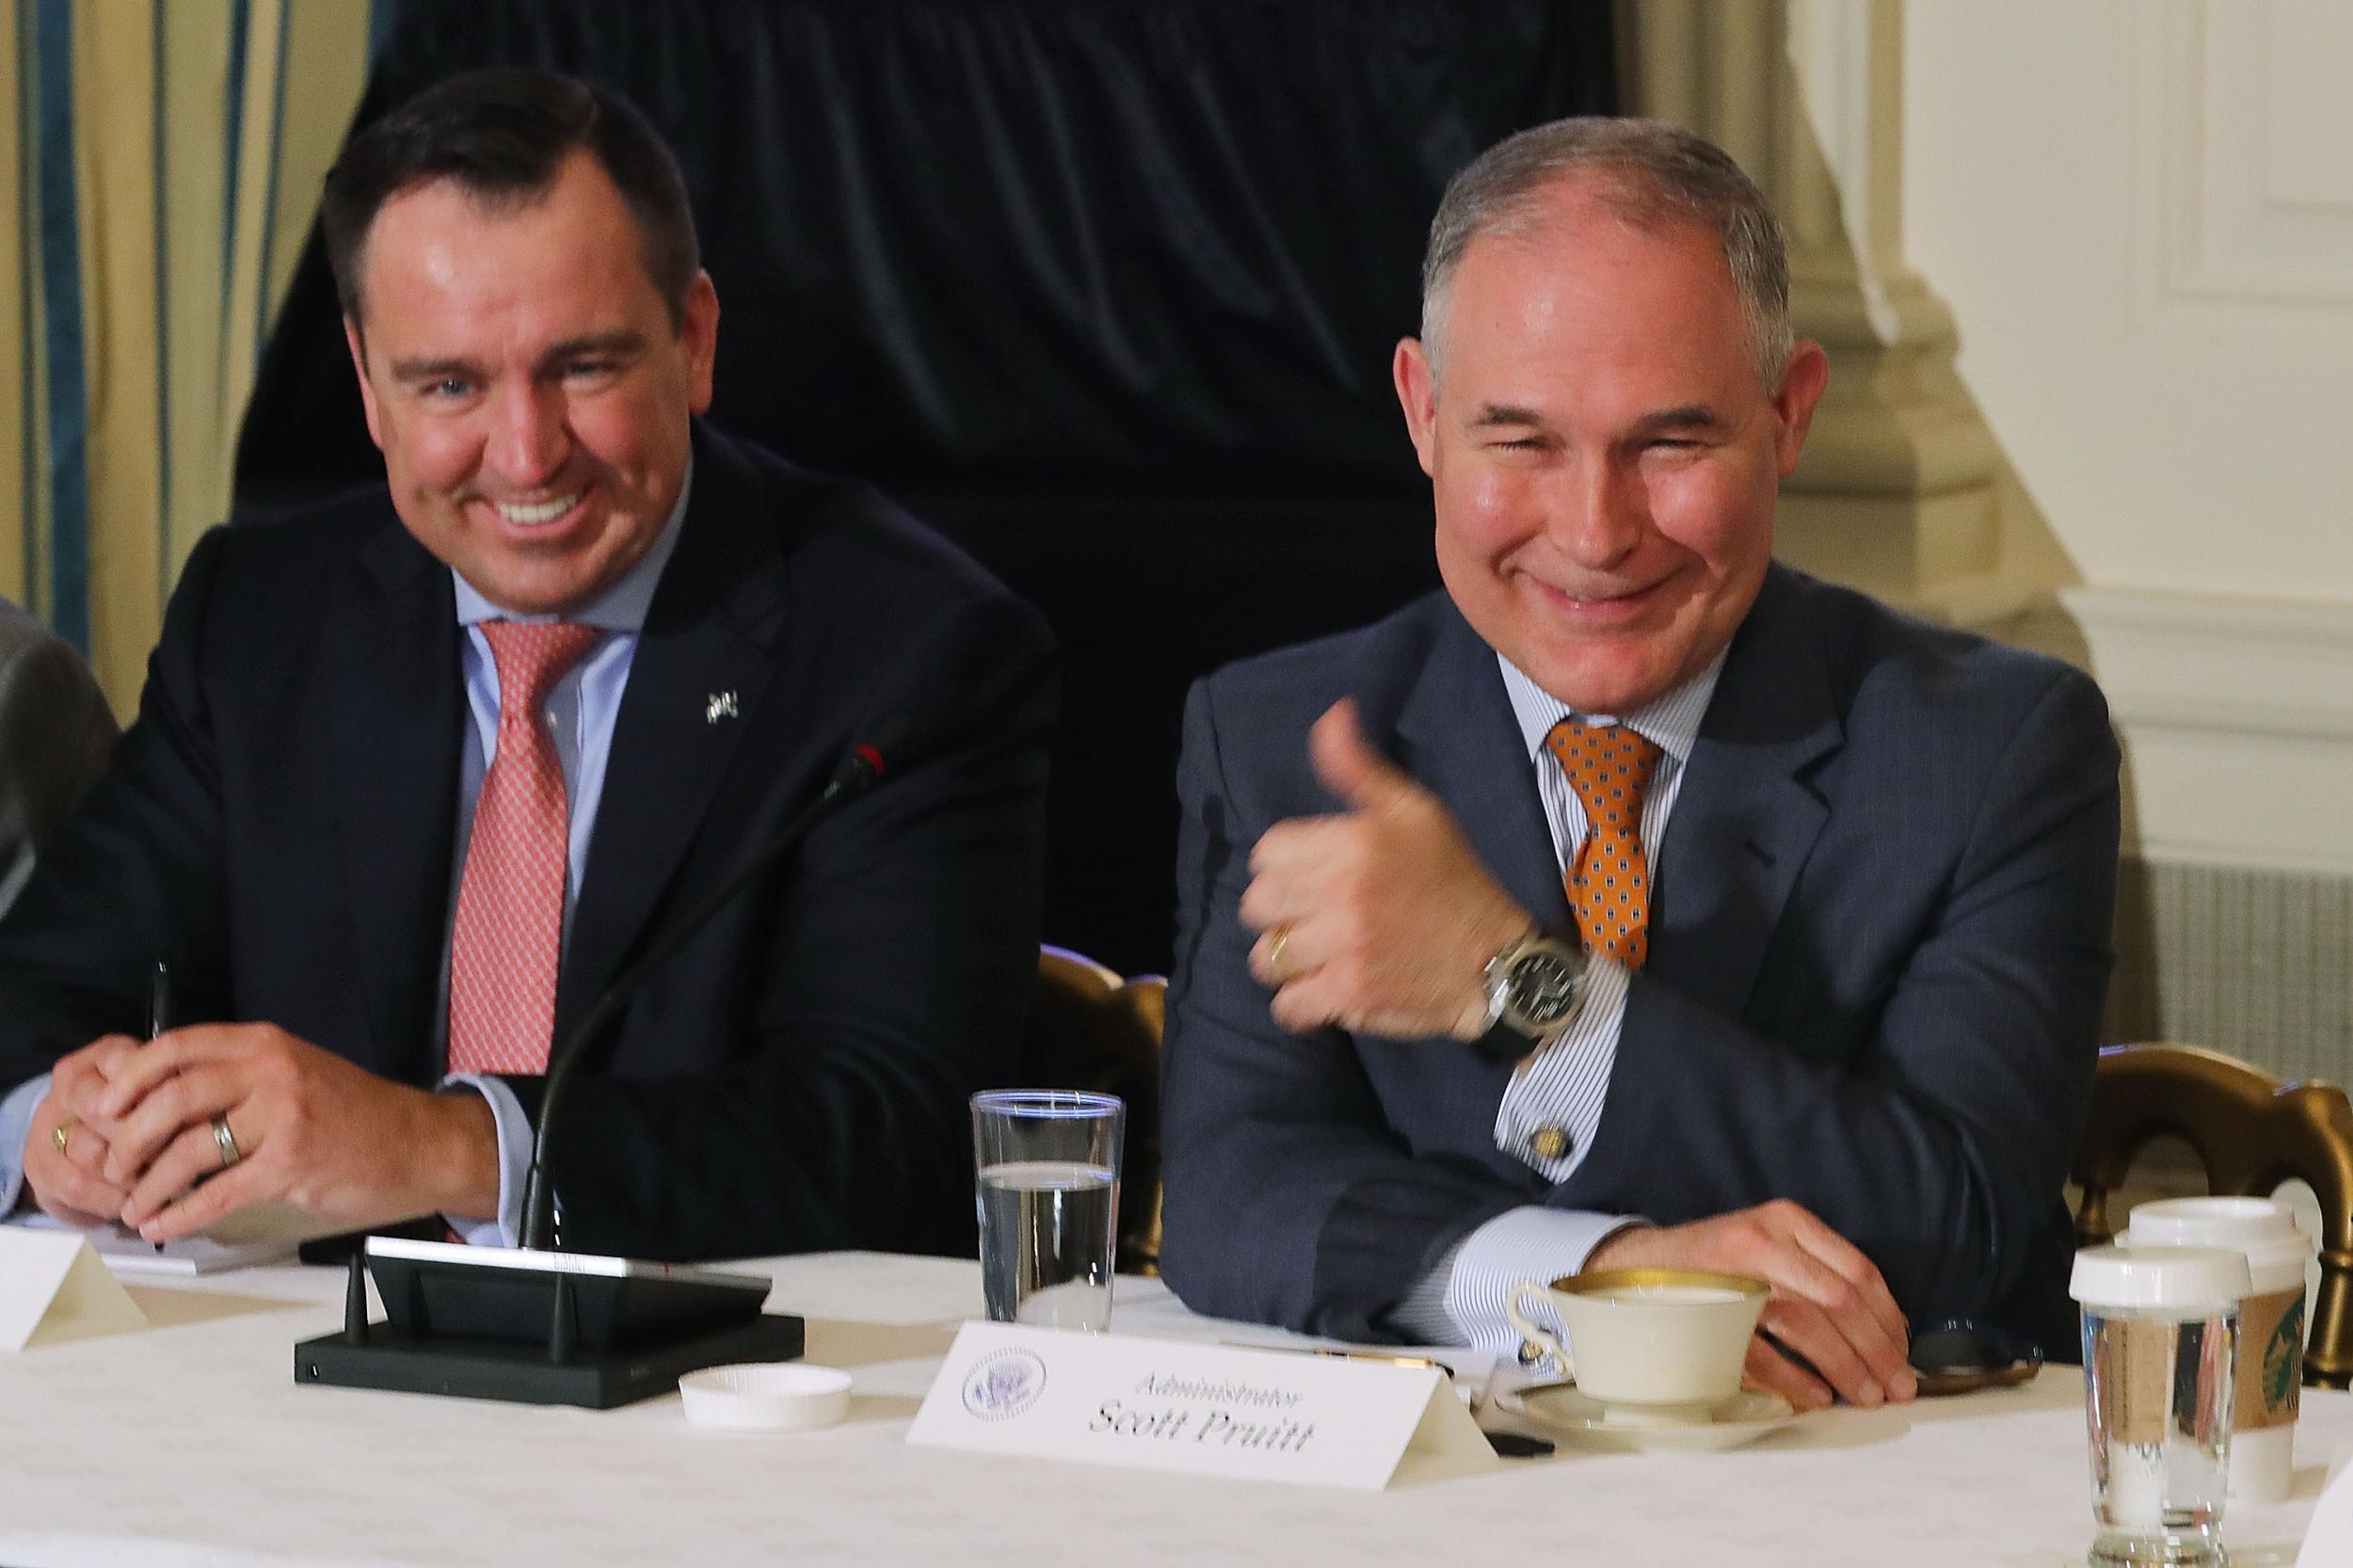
[{"x": 1105, "y": 289}]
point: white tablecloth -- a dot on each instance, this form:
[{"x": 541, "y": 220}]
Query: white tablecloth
[{"x": 191, "y": 1444}]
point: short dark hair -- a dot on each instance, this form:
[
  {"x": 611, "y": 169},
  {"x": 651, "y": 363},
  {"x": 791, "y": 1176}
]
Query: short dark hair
[{"x": 503, "y": 136}]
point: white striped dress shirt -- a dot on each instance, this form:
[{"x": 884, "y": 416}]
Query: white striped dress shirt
[{"x": 1561, "y": 1090}]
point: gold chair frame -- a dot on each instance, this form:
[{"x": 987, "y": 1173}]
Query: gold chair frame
[{"x": 1093, "y": 1029}]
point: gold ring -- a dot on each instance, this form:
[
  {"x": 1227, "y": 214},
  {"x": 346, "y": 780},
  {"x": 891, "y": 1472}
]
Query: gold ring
[
  {"x": 225, "y": 1142},
  {"x": 1275, "y": 950},
  {"x": 62, "y": 1134}
]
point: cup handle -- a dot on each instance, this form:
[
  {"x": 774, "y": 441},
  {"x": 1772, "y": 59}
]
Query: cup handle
[{"x": 1532, "y": 1332}]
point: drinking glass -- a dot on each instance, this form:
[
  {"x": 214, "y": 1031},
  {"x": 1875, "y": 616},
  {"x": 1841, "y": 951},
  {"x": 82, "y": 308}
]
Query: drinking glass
[
  {"x": 2160, "y": 1334},
  {"x": 1046, "y": 1165}
]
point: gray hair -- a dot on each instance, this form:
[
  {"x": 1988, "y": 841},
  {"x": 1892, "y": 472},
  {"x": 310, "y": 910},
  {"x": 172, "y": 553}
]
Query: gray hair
[{"x": 1661, "y": 174}]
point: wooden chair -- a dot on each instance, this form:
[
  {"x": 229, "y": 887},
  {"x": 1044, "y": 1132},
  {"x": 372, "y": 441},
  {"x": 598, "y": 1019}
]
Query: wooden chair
[
  {"x": 2252, "y": 1133},
  {"x": 1092, "y": 1029}
]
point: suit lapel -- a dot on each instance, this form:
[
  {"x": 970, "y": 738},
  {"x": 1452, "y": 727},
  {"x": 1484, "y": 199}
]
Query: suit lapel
[
  {"x": 390, "y": 664},
  {"x": 1745, "y": 817},
  {"x": 709, "y": 632},
  {"x": 1460, "y": 738}
]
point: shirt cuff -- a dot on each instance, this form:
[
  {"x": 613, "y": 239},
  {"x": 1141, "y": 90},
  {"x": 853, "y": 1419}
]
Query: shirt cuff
[
  {"x": 16, "y": 1127},
  {"x": 514, "y": 1134},
  {"x": 1461, "y": 1300}
]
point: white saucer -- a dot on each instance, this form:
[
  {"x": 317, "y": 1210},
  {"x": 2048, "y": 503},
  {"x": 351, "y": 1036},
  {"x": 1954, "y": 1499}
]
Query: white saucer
[{"x": 1578, "y": 1418}]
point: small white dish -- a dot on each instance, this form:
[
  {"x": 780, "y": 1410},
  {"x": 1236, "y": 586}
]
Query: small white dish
[
  {"x": 772, "y": 1395},
  {"x": 1574, "y": 1416}
]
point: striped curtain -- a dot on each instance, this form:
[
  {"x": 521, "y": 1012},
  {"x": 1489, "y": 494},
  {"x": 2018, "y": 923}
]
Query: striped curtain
[{"x": 165, "y": 159}]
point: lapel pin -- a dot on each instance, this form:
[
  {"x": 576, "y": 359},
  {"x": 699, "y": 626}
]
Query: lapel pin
[{"x": 721, "y": 705}]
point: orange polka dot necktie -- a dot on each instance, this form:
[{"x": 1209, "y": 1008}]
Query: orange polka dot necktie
[
  {"x": 509, "y": 931},
  {"x": 1609, "y": 882}
]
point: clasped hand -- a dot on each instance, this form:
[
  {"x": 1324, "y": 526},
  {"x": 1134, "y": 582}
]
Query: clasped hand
[
  {"x": 1380, "y": 918},
  {"x": 311, "y": 1129}
]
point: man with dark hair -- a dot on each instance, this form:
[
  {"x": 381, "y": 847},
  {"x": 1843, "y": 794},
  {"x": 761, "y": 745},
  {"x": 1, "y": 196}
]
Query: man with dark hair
[
  {"x": 1635, "y": 901},
  {"x": 418, "y": 773}
]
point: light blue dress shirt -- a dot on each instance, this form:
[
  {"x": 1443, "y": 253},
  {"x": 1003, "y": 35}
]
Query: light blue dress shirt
[
  {"x": 1461, "y": 1300},
  {"x": 581, "y": 712}
]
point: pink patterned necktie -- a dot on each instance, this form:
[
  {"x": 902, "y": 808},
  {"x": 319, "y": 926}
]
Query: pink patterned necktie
[{"x": 510, "y": 901}]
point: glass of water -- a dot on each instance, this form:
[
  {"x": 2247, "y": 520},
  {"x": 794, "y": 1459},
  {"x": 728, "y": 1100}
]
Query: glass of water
[
  {"x": 1046, "y": 1165},
  {"x": 2160, "y": 1337}
]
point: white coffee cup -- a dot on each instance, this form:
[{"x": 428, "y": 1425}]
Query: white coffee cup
[
  {"x": 1662, "y": 1343},
  {"x": 2271, "y": 1324}
]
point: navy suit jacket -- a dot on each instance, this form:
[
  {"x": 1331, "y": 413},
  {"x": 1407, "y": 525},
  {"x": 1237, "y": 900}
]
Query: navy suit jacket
[
  {"x": 279, "y": 824},
  {"x": 1879, "y": 951}
]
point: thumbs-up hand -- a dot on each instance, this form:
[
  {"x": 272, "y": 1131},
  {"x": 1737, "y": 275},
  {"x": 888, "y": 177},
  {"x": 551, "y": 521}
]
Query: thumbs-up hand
[{"x": 1380, "y": 920}]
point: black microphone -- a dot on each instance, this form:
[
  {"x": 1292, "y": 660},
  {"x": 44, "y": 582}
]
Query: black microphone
[
  {"x": 864, "y": 766},
  {"x": 540, "y": 1326}
]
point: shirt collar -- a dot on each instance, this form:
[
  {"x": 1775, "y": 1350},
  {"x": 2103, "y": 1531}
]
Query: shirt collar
[
  {"x": 619, "y": 608},
  {"x": 1671, "y": 720}
]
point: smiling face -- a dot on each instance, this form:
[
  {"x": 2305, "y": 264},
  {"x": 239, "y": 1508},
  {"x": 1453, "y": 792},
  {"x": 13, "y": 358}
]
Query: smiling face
[
  {"x": 524, "y": 380},
  {"x": 1602, "y": 454}
]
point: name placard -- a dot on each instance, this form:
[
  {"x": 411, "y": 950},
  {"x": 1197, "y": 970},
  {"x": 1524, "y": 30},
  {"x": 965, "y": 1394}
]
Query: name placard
[
  {"x": 1215, "y": 1410},
  {"x": 53, "y": 1288}
]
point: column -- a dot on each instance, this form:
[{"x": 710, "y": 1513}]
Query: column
[{"x": 1897, "y": 492}]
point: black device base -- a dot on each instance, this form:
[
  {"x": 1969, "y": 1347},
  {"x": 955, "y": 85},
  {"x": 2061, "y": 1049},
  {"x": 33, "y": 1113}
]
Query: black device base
[{"x": 401, "y": 1363}]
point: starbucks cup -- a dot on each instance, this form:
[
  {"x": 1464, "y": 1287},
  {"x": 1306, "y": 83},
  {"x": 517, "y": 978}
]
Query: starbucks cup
[{"x": 2270, "y": 1369}]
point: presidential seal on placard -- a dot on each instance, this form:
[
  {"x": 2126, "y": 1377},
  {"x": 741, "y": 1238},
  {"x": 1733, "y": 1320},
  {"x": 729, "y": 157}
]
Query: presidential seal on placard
[{"x": 1004, "y": 1384}]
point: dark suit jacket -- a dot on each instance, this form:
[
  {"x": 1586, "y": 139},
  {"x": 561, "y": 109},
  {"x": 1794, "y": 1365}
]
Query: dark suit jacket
[
  {"x": 55, "y": 731},
  {"x": 1880, "y": 944},
  {"x": 279, "y": 824}
]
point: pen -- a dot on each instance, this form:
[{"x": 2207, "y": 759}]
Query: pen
[
  {"x": 1416, "y": 1361},
  {"x": 159, "y": 1000},
  {"x": 158, "y": 1015},
  {"x": 1381, "y": 1357}
]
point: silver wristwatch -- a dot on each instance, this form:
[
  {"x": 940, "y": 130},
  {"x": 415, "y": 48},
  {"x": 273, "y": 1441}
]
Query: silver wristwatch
[{"x": 1534, "y": 985}]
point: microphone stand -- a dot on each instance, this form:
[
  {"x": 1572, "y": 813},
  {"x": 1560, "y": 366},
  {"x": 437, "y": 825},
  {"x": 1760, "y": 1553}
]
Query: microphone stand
[
  {"x": 860, "y": 771},
  {"x": 540, "y": 1326}
]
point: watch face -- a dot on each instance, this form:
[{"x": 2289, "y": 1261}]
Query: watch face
[{"x": 1544, "y": 986}]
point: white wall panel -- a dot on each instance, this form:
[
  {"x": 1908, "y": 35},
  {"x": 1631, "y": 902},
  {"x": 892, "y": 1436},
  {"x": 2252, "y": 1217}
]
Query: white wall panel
[{"x": 2136, "y": 209}]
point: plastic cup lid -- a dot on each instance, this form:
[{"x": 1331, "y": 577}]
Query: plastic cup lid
[
  {"x": 2188, "y": 1279},
  {"x": 2265, "y": 1231},
  {"x": 2210, "y": 1221}
]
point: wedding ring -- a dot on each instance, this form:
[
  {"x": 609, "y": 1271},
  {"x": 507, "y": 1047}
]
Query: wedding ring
[
  {"x": 1275, "y": 950},
  {"x": 62, "y": 1134},
  {"x": 225, "y": 1142}
]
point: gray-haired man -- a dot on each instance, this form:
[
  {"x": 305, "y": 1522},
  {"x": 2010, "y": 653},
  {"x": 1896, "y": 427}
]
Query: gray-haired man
[{"x": 1635, "y": 900}]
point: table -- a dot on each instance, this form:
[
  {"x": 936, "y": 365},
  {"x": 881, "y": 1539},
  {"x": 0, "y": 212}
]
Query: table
[{"x": 190, "y": 1445}]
